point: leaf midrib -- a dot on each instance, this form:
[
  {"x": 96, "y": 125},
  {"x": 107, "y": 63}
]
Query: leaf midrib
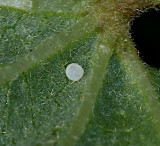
[
  {"x": 48, "y": 48},
  {"x": 92, "y": 89}
]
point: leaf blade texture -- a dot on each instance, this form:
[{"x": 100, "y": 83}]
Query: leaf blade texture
[{"x": 115, "y": 103}]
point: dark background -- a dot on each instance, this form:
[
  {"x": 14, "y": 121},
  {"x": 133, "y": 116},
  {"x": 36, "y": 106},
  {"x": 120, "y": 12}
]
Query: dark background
[{"x": 145, "y": 33}]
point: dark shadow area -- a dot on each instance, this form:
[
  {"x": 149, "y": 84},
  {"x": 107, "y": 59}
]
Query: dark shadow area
[{"x": 145, "y": 33}]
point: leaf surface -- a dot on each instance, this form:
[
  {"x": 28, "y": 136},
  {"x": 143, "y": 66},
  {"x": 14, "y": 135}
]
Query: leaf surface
[{"x": 115, "y": 103}]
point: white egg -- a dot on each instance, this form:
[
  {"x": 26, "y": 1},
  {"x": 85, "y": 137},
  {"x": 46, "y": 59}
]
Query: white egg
[{"x": 74, "y": 72}]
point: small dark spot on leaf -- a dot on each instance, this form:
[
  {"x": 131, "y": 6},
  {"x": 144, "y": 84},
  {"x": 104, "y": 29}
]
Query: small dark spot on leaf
[{"x": 81, "y": 96}]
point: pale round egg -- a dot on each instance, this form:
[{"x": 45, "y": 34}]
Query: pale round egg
[{"x": 74, "y": 72}]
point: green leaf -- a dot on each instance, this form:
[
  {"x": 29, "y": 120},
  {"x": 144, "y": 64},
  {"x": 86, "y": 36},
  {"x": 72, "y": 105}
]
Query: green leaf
[{"x": 115, "y": 103}]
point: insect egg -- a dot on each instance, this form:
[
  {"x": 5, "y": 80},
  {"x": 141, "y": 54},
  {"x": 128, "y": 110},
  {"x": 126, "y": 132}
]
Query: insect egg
[{"x": 74, "y": 72}]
